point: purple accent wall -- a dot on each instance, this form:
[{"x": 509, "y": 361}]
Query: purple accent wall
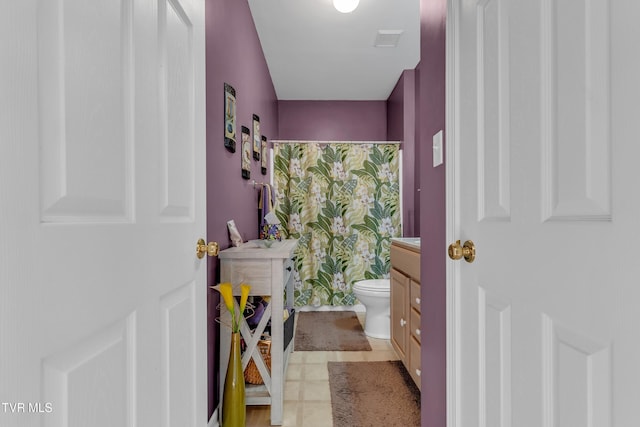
[
  {"x": 395, "y": 111},
  {"x": 431, "y": 118},
  {"x": 333, "y": 120},
  {"x": 234, "y": 55},
  {"x": 401, "y": 126}
]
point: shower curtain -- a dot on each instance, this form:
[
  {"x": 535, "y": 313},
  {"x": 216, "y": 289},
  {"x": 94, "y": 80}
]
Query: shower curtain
[{"x": 342, "y": 201}]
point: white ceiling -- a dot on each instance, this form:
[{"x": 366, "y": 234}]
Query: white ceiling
[{"x": 315, "y": 52}]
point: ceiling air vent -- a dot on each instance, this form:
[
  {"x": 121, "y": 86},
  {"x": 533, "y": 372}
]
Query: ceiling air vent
[{"x": 388, "y": 38}]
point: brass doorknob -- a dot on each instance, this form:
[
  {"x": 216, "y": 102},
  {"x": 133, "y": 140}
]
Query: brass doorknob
[
  {"x": 468, "y": 251},
  {"x": 202, "y": 248}
]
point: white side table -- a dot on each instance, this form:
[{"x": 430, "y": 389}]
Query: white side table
[{"x": 269, "y": 273}]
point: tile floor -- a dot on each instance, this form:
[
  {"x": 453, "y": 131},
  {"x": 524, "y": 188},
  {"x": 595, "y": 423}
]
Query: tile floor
[{"x": 307, "y": 401}]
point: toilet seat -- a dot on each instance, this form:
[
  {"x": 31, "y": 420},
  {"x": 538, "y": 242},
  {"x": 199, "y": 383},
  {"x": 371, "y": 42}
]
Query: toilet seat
[{"x": 375, "y": 285}]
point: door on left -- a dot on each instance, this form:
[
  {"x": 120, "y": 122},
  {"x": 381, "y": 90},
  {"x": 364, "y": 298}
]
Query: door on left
[{"x": 102, "y": 297}]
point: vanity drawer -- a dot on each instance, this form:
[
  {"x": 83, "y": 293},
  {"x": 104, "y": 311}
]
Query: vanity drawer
[
  {"x": 406, "y": 261},
  {"x": 415, "y": 363},
  {"x": 415, "y": 325},
  {"x": 255, "y": 272},
  {"x": 415, "y": 295}
]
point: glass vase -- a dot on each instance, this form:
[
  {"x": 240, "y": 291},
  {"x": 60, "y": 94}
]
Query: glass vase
[{"x": 234, "y": 412}]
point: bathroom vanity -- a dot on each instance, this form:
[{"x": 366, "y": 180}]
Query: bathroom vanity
[
  {"x": 269, "y": 273},
  {"x": 405, "y": 303}
]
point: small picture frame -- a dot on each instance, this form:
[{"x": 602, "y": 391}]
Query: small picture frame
[
  {"x": 263, "y": 157},
  {"x": 246, "y": 152},
  {"x": 256, "y": 137},
  {"x": 229, "y": 118}
]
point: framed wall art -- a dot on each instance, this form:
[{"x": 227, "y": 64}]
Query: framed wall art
[
  {"x": 256, "y": 137},
  {"x": 263, "y": 157},
  {"x": 229, "y": 118},
  {"x": 246, "y": 152}
]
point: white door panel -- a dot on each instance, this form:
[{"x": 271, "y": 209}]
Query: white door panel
[
  {"x": 494, "y": 357},
  {"x": 541, "y": 176},
  {"x": 102, "y": 300},
  {"x": 85, "y": 129},
  {"x": 575, "y": 122}
]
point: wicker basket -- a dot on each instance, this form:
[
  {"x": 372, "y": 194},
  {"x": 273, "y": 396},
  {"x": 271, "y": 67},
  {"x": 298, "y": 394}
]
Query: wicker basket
[{"x": 251, "y": 373}]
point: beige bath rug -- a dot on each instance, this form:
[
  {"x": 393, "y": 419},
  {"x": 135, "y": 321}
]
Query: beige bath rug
[{"x": 330, "y": 331}]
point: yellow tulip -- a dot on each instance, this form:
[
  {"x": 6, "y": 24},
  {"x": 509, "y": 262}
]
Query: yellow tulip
[
  {"x": 244, "y": 294},
  {"x": 226, "y": 290}
]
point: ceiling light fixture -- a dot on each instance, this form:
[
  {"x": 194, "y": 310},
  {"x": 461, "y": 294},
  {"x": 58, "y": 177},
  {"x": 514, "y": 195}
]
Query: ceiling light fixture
[{"x": 345, "y": 6}]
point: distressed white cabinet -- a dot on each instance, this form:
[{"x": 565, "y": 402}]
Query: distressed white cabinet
[{"x": 269, "y": 273}]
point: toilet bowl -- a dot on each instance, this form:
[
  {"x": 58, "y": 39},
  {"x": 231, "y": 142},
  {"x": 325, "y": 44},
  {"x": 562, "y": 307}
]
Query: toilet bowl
[{"x": 374, "y": 295}]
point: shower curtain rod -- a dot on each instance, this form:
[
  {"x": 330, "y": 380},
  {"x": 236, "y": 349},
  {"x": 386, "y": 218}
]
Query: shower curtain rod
[{"x": 286, "y": 141}]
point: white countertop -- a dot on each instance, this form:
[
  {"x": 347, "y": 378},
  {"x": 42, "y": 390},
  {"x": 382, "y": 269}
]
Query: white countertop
[{"x": 408, "y": 241}]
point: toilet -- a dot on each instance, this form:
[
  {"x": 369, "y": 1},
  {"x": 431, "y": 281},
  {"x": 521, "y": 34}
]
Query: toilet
[{"x": 374, "y": 295}]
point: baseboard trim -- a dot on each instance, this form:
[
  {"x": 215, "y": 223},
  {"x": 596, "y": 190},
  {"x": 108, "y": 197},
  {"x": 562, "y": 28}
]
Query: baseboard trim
[
  {"x": 213, "y": 421},
  {"x": 358, "y": 308}
]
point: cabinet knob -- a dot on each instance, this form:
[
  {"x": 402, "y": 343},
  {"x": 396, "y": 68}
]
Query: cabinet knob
[
  {"x": 418, "y": 372},
  {"x": 418, "y": 301},
  {"x": 418, "y": 332},
  {"x": 403, "y": 322}
]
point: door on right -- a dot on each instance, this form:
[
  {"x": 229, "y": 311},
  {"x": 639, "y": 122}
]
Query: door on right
[{"x": 543, "y": 144}]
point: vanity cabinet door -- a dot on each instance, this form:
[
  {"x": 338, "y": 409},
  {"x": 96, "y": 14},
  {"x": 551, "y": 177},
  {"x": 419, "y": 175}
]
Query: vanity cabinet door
[{"x": 399, "y": 313}]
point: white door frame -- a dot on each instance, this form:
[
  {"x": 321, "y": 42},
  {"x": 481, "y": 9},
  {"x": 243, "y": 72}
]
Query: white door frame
[{"x": 452, "y": 164}]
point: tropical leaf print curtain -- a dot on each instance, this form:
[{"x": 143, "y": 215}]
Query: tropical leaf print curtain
[{"x": 342, "y": 201}]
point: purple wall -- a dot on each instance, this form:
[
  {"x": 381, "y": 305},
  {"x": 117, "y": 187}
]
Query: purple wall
[
  {"x": 395, "y": 111},
  {"x": 333, "y": 120},
  {"x": 401, "y": 126},
  {"x": 234, "y": 56},
  {"x": 431, "y": 118}
]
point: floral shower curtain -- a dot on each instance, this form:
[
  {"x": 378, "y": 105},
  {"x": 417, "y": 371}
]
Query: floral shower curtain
[{"x": 342, "y": 201}]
